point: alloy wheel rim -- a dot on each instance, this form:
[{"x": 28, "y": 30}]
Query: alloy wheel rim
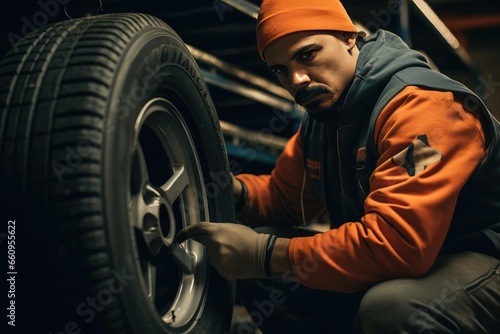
[{"x": 167, "y": 193}]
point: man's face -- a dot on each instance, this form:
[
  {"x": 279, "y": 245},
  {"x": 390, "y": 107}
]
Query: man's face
[{"x": 315, "y": 67}]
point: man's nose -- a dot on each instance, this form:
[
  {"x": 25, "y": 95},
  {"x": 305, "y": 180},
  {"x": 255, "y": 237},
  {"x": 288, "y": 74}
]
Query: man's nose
[{"x": 298, "y": 78}]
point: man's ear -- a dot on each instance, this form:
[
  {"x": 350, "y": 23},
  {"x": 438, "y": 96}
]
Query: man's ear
[
  {"x": 346, "y": 38},
  {"x": 349, "y": 38}
]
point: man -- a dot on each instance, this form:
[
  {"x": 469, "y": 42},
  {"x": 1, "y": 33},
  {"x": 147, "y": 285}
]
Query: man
[{"x": 406, "y": 163}]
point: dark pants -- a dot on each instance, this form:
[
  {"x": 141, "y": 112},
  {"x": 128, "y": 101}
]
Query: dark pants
[{"x": 460, "y": 294}]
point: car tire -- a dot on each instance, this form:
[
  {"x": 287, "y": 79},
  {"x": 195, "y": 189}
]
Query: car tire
[{"x": 109, "y": 145}]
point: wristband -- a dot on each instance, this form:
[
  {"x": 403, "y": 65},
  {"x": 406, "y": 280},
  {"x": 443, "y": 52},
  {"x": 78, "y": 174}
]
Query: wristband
[
  {"x": 269, "y": 251},
  {"x": 243, "y": 197}
]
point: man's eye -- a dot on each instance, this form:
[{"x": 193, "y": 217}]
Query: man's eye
[
  {"x": 278, "y": 70},
  {"x": 306, "y": 55}
]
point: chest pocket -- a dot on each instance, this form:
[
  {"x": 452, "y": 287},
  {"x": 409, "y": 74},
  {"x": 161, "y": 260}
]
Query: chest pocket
[{"x": 365, "y": 163}]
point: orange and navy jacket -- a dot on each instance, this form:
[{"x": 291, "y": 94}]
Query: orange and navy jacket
[{"x": 409, "y": 171}]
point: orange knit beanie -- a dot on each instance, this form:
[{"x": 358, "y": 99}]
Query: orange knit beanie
[{"x": 278, "y": 18}]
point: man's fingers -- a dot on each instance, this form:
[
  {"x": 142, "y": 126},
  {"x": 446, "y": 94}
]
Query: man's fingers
[{"x": 192, "y": 231}]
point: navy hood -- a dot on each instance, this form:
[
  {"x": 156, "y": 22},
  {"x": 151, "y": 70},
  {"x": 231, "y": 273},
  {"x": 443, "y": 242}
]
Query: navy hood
[{"x": 381, "y": 55}]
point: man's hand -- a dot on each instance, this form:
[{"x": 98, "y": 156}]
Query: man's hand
[{"x": 235, "y": 251}]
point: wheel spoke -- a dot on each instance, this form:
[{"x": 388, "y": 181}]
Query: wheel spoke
[
  {"x": 144, "y": 208},
  {"x": 151, "y": 278},
  {"x": 153, "y": 240},
  {"x": 182, "y": 257},
  {"x": 176, "y": 184},
  {"x": 144, "y": 211},
  {"x": 142, "y": 198},
  {"x": 140, "y": 168}
]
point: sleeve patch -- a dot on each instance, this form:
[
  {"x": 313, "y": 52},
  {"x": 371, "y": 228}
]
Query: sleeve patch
[
  {"x": 314, "y": 168},
  {"x": 417, "y": 156}
]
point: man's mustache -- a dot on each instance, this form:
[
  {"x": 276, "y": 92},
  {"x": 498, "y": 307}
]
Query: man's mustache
[{"x": 307, "y": 92}]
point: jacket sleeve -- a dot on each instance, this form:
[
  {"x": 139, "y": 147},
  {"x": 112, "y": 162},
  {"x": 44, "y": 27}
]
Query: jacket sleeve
[
  {"x": 429, "y": 146},
  {"x": 275, "y": 199}
]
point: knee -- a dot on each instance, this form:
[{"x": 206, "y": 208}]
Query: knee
[{"x": 386, "y": 308}]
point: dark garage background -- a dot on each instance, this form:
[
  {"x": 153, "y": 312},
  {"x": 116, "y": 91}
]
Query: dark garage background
[{"x": 245, "y": 93}]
